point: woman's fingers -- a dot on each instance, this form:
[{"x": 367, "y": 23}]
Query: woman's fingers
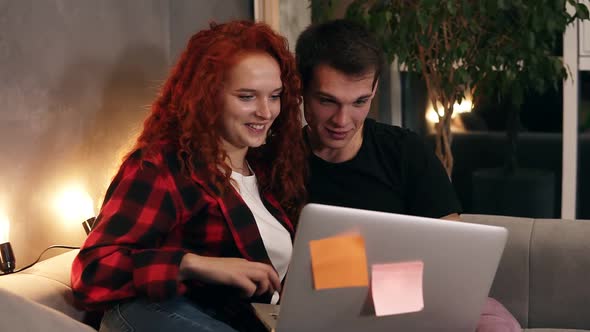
[
  {"x": 274, "y": 280},
  {"x": 252, "y": 278},
  {"x": 271, "y": 275},
  {"x": 247, "y": 286}
]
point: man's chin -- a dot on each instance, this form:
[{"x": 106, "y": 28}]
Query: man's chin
[{"x": 334, "y": 143}]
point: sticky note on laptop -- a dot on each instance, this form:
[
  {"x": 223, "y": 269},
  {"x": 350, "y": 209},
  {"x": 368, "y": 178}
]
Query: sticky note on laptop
[
  {"x": 397, "y": 287},
  {"x": 339, "y": 261}
]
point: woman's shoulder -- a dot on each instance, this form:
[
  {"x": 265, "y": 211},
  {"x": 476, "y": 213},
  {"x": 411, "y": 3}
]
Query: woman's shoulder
[{"x": 160, "y": 157}]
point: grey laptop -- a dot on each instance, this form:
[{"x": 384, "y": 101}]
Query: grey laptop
[{"x": 460, "y": 261}]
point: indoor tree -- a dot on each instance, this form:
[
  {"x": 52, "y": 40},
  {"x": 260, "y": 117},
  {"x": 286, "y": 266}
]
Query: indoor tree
[{"x": 461, "y": 47}]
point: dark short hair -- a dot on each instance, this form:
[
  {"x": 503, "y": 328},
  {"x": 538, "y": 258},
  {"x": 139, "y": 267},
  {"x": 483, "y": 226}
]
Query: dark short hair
[{"x": 345, "y": 45}]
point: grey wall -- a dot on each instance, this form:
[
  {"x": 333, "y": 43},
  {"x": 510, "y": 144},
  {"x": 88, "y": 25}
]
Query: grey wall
[
  {"x": 188, "y": 16},
  {"x": 76, "y": 81}
]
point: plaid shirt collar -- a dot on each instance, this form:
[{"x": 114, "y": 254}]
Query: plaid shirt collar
[{"x": 241, "y": 220}]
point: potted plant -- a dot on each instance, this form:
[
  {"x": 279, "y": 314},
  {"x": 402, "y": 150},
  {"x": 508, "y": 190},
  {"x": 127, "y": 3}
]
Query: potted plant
[{"x": 461, "y": 47}]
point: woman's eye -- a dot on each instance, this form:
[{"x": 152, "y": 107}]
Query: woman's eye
[
  {"x": 276, "y": 97},
  {"x": 246, "y": 97}
]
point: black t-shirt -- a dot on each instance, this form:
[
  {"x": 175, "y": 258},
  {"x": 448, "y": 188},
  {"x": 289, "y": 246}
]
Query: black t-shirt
[{"x": 392, "y": 172}]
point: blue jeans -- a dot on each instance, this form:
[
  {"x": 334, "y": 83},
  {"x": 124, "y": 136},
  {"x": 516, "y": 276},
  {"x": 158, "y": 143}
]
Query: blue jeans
[{"x": 178, "y": 314}]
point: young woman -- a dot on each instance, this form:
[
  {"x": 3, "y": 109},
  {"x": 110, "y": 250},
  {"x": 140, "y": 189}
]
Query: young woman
[{"x": 199, "y": 220}]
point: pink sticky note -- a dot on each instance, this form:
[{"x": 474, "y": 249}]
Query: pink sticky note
[{"x": 397, "y": 287}]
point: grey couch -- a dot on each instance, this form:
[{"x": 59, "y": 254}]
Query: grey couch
[
  {"x": 544, "y": 273},
  {"x": 542, "y": 279}
]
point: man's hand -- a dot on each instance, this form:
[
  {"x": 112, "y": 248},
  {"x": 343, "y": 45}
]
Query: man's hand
[
  {"x": 251, "y": 277},
  {"x": 452, "y": 216}
]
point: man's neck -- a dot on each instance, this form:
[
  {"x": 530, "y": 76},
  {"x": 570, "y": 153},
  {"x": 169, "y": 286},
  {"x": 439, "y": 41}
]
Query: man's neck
[{"x": 340, "y": 155}]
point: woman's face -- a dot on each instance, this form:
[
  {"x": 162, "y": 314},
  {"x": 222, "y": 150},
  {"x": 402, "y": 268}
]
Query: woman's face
[{"x": 251, "y": 101}]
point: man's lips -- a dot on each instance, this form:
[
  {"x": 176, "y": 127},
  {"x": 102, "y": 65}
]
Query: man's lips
[{"x": 337, "y": 134}]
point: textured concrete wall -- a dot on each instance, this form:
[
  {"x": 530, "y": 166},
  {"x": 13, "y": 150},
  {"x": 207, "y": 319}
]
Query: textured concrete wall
[
  {"x": 76, "y": 81},
  {"x": 295, "y": 16},
  {"x": 188, "y": 16}
]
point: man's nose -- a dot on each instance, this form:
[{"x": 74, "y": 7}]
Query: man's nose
[{"x": 340, "y": 118}]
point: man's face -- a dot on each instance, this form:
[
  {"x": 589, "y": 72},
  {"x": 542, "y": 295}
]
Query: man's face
[{"x": 336, "y": 106}]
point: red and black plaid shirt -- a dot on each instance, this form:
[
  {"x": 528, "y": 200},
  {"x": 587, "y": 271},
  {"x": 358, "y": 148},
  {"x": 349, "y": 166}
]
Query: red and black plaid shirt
[{"x": 151, "y": 217}]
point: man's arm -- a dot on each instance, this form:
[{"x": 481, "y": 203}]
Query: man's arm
[{"x": 430, "y": 191}]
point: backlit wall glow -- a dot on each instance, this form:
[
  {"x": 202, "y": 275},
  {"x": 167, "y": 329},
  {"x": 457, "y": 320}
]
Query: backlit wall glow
[
  {"x": 69, "y": 106},
  {"x": 4, "y": 228}
]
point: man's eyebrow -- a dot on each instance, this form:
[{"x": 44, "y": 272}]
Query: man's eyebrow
[
  {"x": 325, "y": 95},
  {"x": 329, "y": 96}
]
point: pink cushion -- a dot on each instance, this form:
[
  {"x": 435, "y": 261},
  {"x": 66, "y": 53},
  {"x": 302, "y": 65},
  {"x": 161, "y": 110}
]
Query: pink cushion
[{"x": 496, "y": 318}]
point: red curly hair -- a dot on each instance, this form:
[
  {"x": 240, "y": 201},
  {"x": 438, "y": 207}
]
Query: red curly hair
[{"x": 187, "y": 112}]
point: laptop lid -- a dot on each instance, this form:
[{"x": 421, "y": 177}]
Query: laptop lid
[{"x": 459, "y": 265}]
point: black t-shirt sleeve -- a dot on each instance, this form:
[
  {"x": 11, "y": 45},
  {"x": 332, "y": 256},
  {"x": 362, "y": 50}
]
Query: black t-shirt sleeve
[{"x": 429, "y": 190}]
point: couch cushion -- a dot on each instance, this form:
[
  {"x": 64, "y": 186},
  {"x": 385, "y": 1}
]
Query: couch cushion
[
  {"x": 20, "y": 314},
  {"x": 511, "y": 283},
  {"x": 560, "y": 269},
  {"x": 48, "y": 283}
]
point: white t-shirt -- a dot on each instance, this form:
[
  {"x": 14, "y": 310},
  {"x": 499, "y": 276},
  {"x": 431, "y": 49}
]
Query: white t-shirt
[{"x": 276, "y": 239}]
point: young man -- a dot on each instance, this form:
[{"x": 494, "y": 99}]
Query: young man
[{"x": 357, "y": 162}]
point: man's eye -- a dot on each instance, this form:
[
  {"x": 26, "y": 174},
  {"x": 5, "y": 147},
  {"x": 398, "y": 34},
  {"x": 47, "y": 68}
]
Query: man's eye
[
  {"x": 360, "y": 102},
  {"x": 246, "y": 97},
  {"x": 325, "y": 101}
]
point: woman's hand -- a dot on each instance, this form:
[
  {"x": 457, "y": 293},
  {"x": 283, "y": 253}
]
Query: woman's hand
[{"x": 251, "y": 277}]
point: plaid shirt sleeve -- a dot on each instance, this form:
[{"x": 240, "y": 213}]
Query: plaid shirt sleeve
[{"x": 121, "y": 257}]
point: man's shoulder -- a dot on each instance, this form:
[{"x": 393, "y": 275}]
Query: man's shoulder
[{"x": 382, "y": 133}]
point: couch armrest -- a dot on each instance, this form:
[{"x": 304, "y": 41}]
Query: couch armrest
[
  {"x": 560, "y": 272},
  {"x": 47, "y": 283},
  {"x": 21, "y": 314}
]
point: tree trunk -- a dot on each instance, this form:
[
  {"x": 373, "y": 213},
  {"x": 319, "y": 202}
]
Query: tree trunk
[{"x": 443, "y": 145}]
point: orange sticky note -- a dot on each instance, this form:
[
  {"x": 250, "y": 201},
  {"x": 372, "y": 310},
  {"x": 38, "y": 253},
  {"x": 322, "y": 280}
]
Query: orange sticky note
[
  {"x": 339, "y": 261},
  {"x": 397, "y": 287}
]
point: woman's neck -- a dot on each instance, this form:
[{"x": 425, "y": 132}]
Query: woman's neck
[{"x": 236, "y": 160}]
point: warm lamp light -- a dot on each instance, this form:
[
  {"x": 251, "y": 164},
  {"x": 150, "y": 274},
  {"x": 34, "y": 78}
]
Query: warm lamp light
[
  {"x": 74, "y": 205},
  {"x": 464, "y": 107}
]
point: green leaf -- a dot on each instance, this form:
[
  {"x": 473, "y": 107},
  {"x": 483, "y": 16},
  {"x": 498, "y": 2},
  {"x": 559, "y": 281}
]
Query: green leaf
[
  {"x": 531, "y": 40},
  {"x": 422, "y": 19},
  {"x": 429, "y": 3},
  {"x": 582, "y": 12},
  {"x": 451, "y": 7},
  {"x": 388, "y": 16}
]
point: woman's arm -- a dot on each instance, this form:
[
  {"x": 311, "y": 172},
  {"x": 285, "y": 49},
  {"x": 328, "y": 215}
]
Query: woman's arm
[{"x": 121, "y": 257}]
